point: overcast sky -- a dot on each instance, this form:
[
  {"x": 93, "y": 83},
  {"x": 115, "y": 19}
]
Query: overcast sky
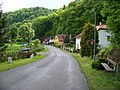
[{"x": 12, "y": 5}]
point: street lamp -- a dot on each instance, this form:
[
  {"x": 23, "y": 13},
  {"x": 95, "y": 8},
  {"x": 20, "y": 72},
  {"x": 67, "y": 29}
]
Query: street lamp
[{"x": 94, "y": 57}]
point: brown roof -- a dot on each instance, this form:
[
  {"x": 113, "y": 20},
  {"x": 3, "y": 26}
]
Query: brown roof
[
  {"x": 61, "y": 37},
  {"x": 78, "y": 36},
  {"x": 101, "y": 26}
]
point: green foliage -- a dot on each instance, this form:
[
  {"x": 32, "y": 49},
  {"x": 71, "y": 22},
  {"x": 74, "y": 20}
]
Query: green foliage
[
  {"x": 3, "y": 31},
  {"x": 36, "y": 46},
  {"x": 67, "y": 39},
  {"x": 26, "y": 14},
  {"x": 13, "y": 33},
  {"x": 19, "y": 23},
  {"x": 112, "y": 12},
  {"x": 69, "y": 20},
  {"x": 14, "y": 48},
  {"x": 26, "y": 32},
  {"x": 97, "y": 64},
  {"x": 15, "y": 51},
  {"x": 36, "y": 42},
  {"x": 111, "y": 52},
  {"x": 42, "y": 26},
  {"x": 102, "y": 54},
  {"x": 58, "y": 45},
  {"x": 40, "y": 48},
  {"x": 97, "y": 79},
  {"x": 6, "y": 66},
  {"x": 87, "y": 35}
]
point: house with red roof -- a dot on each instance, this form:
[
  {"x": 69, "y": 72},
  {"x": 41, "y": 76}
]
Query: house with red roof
[
  {"x": 78, "y": 39},
  {"x": 103, "y": 34},
  {"x": 59, "y": 39}
]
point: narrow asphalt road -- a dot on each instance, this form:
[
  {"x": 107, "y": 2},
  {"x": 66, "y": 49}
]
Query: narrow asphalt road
[{"x": 58, "y": 71}]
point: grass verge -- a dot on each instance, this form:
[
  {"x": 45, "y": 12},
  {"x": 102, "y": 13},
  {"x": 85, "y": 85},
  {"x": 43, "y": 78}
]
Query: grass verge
[
  {"x": 97, "y": 79},
  {"x": 6, "y": 66},
  {"x": 14, "y": 48}
]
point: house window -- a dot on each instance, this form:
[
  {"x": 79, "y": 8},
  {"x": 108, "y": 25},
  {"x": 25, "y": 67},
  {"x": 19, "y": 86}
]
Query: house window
[
  {"x": 77, "y": 46},
  {"x": 108, "y": 38}
]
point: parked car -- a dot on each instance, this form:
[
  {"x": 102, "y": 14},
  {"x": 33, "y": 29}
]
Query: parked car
[
  {"x": 25, "y": 53},
  {"x": 25, "y": 50}
]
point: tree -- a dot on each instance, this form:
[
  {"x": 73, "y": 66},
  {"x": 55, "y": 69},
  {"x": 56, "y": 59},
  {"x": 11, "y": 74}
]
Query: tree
[
  {"x": 42, "y": 26},
  {"x": 67, "y": 39},
  {"x": 112, "y": 12},
  {"x": 3, "y": 36},
  {"x": 87, "y": 36},
  {"x": 26, "y": 14},
  {"x": 36, "y": 42},
  {"x": 26, "y": 32},
  {"x": 13, "y": 33}
]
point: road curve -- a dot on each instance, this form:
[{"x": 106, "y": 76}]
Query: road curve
[{"x": 58, "y": 71}]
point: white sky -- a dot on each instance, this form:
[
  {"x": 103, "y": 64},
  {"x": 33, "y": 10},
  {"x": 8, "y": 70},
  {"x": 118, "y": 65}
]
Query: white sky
[{"x": 12, "y": 5}]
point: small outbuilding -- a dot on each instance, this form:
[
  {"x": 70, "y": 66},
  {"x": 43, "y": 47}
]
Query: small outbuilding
[
  {"x": 104, "y": 35},
  {"x": 78, "y": 40}
]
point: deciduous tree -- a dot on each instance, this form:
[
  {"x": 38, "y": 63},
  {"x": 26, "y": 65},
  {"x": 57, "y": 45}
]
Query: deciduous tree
[{"x": 3, "y": 32}]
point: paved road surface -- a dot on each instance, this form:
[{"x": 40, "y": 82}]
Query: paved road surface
[{"x": 58, "y": 71}]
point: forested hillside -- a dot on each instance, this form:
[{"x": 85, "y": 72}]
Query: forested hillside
[
  {"x": 19, "y": 23},
  {"x": 70, "y": 19},
  {"x": 26, "y": 14}
]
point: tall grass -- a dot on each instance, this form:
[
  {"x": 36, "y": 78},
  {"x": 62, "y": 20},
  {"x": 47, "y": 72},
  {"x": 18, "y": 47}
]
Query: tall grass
[
  {"x": 6, "y": 66},
  {"x": 14, "y": 48},
  {"x": 97, "y": 79}
]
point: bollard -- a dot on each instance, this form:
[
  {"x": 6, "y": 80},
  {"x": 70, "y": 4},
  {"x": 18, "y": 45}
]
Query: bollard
[
  {"x": 32, "y": 56},
  {"x": 10, "y": 59}
]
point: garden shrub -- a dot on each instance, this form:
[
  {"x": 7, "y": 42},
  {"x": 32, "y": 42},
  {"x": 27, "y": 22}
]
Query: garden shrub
[
  {"x": 58, "y": 45},
  {"x": 40, "y": 48},
  {"x": 97, "y": 64},
  {"x": 87, "y": 35}
]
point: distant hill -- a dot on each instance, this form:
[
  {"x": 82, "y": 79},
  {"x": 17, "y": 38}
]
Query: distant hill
[{"x": 26, "y": 14}]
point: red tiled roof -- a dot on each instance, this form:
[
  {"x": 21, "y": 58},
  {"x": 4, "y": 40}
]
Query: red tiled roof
[
  {"x": 78, "y": 36},
  {"x": 101, "y": 26},
  {"x": 61, "y": 37}
]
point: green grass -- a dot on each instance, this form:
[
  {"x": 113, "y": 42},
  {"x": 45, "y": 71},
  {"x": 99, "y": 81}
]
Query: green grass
[
  {"x": 6, "y": 66},
  {"x": 14, "y": 48},
  {"x": 97, "y": 79}
]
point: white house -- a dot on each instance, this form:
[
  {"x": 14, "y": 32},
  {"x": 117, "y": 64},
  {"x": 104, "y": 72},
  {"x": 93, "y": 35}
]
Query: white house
[
  {"x": 104, "y": 36},
  {"x": 78, "y": 39}
]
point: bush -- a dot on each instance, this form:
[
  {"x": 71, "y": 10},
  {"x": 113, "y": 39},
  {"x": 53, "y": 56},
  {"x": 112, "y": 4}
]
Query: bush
[
  {"x": 58, "y": 45},
  {"x": 36, "y": 42},
  {"x": 97, "y": 64},
  {"x": 102, "y": 53},
  {"x": 87, "y": 36},
  {"x": 40, "y": 48},
  {"x": 15, "y": 56}
]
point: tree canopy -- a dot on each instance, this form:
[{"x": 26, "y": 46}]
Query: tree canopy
[
  {"x": 111, "y": 10},
  {"x": 70, "y": 19},
  {"x": 3, "y": 31}
]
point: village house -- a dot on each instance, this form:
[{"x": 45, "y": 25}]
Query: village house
[
  {"x": 104, "y": 36},
  {"x": 78, "y": 39},
  {"x": 59, "y": 39}
]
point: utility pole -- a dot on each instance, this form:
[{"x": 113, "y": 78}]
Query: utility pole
[{"x": 94, "y": 57}]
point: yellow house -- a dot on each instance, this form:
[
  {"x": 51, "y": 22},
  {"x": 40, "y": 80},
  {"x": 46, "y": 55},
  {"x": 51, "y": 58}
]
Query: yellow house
[{"x": 59, "y": 39}]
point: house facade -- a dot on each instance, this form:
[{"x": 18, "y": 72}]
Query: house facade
[
  {"x": 78, "y": 40},
  {"x": 104, "y": 36},
  {"x": 59, "y": 39}
]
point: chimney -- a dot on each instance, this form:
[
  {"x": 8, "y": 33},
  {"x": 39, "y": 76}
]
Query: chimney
[{"x": 100, "y": 23}]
